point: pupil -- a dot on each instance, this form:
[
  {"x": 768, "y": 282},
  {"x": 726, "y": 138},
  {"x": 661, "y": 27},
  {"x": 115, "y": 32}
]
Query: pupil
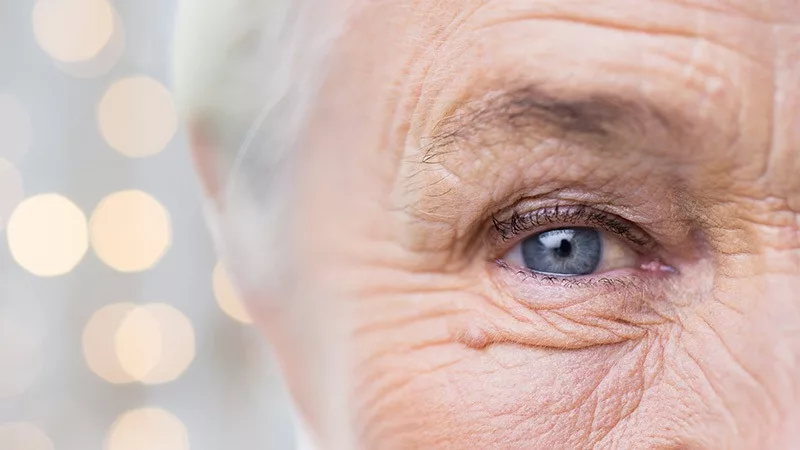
[{"x": 564, "y": 250}]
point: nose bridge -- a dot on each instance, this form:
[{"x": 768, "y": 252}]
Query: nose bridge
[
  {"x": 749, "y": 329},
  {"x": 773, "y": 315},
  {"x": 788, "y": 433},
  {"x": 785, "y": 434},
  {"x": 770, "y": 281},
  {"x": 755, "y": 231},
  {"x": 785, "y": 143},
  {"x": 776, "y": 232},
  {"x": 750, "y": 333}
]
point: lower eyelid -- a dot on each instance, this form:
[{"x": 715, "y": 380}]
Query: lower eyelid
[
  {"x": 547, "y": 313},
  {"x": 613, "y": 279},
  {"x": 648, "y": 270}
]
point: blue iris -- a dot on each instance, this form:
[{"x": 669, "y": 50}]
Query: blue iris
[{"x": 566, "y": 251}]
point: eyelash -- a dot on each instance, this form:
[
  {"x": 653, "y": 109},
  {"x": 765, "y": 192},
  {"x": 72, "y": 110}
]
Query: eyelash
[
  {"x": 571, "y": 282},
  {"x": 518, "y": 224}
]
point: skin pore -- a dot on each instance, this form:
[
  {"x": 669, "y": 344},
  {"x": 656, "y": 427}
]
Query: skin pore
[{"x": 448, "y": 132}]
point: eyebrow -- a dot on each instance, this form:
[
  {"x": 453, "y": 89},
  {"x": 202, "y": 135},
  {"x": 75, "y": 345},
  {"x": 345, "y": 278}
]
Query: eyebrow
[{"x": 602, "y": 118}]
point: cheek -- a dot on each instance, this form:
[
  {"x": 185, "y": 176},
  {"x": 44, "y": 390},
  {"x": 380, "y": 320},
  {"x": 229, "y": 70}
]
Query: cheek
[
  {"x": 423, "y": 378},
  {"x": 427, "y": 394},
  {"x": 424, "y": 374}
]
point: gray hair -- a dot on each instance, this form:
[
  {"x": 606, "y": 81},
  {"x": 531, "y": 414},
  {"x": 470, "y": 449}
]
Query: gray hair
[
  {"x": 246, "y": 72},
  {"x": 250, "y": 67}
]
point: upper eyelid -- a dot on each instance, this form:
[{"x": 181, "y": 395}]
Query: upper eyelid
[
  {"x": 543, "y": 216},
  {"x": 517, "y": 224}
]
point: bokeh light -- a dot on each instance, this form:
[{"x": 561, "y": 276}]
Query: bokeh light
[
  {"x": 99, "y": 343},
  {"x": 147, "y": 429},
  {"x": 178, "y": 344},
  {"x": 47, "y": 235},
  {"x": 23, "y": 436},
  {"x": 154, "y": 343},
  {"x": 105, "y": 60},
  {"x": 15, "y": 128},
  {"x": 137, "y": 116},
  {"x": 130, "y": 231},
  {"x": 227, "y": 298},
  {"x": 72, "y": 30},
  {"x": 139, "y": 343},
  {"x": 91, "y": 149},
  {"x": 11, "y": 191}
]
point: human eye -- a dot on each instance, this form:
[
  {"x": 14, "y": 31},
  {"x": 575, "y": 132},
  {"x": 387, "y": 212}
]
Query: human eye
[
  {"x": 572, "y": 251},
  {"x": 575, "y": 241}
]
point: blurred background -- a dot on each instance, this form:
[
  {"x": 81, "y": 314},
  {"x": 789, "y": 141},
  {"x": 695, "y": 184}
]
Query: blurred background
[{"x": 119, "y": 330}]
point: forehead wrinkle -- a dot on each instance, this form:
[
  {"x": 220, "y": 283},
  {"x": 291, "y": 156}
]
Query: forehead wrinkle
[
  {"x": 737, "y": 32},
  {"x": 769, "y": 11}
]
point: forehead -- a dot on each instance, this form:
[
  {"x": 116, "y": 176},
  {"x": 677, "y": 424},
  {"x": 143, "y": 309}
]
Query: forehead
[
  {"x": 730, "y": 67},
  {"x": 755, "y": 31}
]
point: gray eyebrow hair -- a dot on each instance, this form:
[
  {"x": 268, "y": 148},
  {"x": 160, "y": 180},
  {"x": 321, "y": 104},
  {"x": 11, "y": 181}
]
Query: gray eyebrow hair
[{"x": 531, "y": 109}]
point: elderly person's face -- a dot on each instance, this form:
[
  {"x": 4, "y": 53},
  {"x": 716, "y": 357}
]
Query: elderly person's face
[{"x": 552, "y": 224}]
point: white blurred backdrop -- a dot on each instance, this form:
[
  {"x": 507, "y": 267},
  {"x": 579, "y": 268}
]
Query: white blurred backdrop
[{"x": 118, "y": 328}]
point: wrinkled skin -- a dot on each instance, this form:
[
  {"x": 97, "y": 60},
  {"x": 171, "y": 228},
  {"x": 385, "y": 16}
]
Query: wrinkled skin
[{"x": 691, "y": 133}]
